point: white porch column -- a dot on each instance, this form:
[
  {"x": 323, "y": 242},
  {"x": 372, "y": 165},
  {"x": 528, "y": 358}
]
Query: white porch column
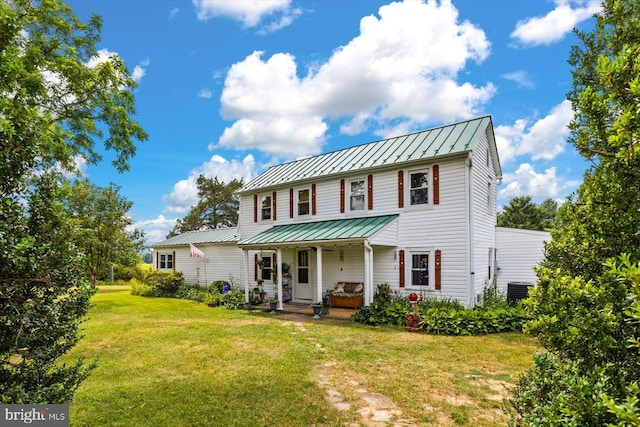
[
  {"x": 245, "y": 266},
  {"x": 279, "y": 270},
  {"x": 368, "y": 273},
  {"x": 319, "y": 274}
]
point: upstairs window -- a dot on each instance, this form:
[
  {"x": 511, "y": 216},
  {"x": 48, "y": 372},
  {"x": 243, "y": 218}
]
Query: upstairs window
[
  {"x": 356, "y": 195},
  {"x": 303, "y": 202},
  {"x": 419, "y": 190},
  {"x": 265, "y": 208}
]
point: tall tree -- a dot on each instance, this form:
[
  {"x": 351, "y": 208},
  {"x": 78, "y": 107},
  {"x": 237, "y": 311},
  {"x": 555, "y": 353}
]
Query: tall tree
[
  {"x": 57, "y": 96},
  {"x": 586, "y": 306},
  {"x": 217, "y": 206},
  {"x": 521, "y": 212},
  {"x": 100, "y": 213}
]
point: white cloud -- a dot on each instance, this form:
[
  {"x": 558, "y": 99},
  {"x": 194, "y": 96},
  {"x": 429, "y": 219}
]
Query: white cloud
[
  {"x": 155, "y": 230},
  {"x": 140, "y": 70},
  {"x": 544, "y": 139},
  {"x": 403, "y": 67},
  {"x": 205, "y": 93},
  {"x": 103, "y": 55},
  {"x": 249, "y": 12},
  {"x": 553, "y": 26},
  {"x": 173, "y": 12},
  {"x": 185, "y": 192},
  {"x": 525, "y": 181},
  {"x": 521, "y": 78}
]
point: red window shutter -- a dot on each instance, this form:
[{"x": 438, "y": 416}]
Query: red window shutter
[
  {"x": 370, "y": 192},
  {"x": 436, "y": 185},
  {"x": 313, "y": 199},
  {"x": 157, "y": 260},
  {"x": 342, "y": 196},
  {"x": 401, "y": 256},
  {"x": 291, "y": 203},
  {"x": 438, "y": 278},
  {"x": 255, "y": 267},
  {"x": 174, "y": 260},
  {"x": 400, "y": 189},
  {"x": 275, "y": 260},
  {"x": 255, "y": 208},
  {"x": 273, "y": 202}
]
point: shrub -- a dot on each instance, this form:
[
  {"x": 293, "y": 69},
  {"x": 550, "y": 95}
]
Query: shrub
[
  {"x": 234, "y": 299},
  {"x": 192, "y": 293},
  {"x": 141, "y": 289},
  {"x": 162, "y": 284},
  {"x": 218, "y": 286}
]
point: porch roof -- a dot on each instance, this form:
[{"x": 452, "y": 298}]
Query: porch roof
[{"x": 320, "y": 231}]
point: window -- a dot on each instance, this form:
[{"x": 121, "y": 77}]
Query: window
[
  {"x": 303, "y": 266},
  {"x": 265, "y": 268},
  {"x": 489, "y": 198},
  {"x": 166, "y": 261},
  {"x": 266, "y": 207},
  {"x": 356, "y": 195},
  {"x": 303, "y": 202},
  {"x": 419, "y": 191},
  {"x": 419, "y": 269}
]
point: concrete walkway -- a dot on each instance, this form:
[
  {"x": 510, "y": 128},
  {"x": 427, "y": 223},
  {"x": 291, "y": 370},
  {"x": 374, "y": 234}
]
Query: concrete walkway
[{"x": 306, "y": 310}]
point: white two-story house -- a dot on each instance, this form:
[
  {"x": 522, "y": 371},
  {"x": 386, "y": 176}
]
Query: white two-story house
[{"x": 417, "y": 212}]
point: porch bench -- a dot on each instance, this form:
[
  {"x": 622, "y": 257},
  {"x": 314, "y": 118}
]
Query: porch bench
[{"x": 347, "y": 295}]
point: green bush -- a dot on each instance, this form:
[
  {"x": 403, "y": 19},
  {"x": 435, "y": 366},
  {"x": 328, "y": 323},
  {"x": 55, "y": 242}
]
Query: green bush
[
  {"x": 218, "y": 286},
  {"x": 162, "y": 284},
  {"x": 591, "y": 329},
  {"x": 445, "y": 316},
  {"x": 234, "y": 299},
  {"x": 193, "y": 293},
  {"x": 140, "y": 289}
]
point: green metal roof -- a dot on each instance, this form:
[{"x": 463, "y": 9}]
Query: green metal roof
[
  {"x": 219, "y": 235},
  {"x": 440, "y": 141},
  {"x": 338, "y": 229}
]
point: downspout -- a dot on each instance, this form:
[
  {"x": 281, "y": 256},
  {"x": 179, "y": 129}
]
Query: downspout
[
  {"x": 368, "y": 273},
  {"x": 469, "y": 198}
]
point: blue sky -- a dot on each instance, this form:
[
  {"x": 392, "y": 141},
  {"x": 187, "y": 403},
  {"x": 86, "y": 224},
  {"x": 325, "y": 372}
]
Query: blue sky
[{"x": 228, "y": 88}]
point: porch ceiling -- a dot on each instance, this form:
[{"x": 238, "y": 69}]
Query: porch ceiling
[{"x": 320, "y": 231}]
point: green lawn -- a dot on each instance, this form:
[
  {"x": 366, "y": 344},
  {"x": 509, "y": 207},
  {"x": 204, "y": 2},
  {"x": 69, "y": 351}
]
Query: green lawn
[{"x": 167, "y": 362}]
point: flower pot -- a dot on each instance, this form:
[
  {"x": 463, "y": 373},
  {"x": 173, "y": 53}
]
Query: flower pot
[
  {"x": 413, "y": 321},
  {"x": 317, "y": 309}
]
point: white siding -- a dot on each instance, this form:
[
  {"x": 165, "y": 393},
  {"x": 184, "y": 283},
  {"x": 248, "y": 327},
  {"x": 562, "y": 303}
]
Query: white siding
[
  {"x": 483, "y": 215},
  {"x": 518, "y": 252},
  {"x": 221, "y": 262}
]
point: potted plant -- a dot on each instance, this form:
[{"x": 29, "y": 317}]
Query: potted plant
[
  {"x": 317, "y": 309},
  {"x": 413, "y": 320},
  {"x": 273, "y": 305},
  {"x": 212, "y": 300}
]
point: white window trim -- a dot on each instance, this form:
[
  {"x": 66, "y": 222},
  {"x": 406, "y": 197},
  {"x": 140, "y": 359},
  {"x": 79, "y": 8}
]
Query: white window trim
[
  {"x": 297, "y": 203},
  {"x": 407, "y": 189},
  {"x": 348, "y": 196},
  {"x": 409, "y": 268},
  {"x": 166, "y": 256},
  {"x": 260, "y": 199}
]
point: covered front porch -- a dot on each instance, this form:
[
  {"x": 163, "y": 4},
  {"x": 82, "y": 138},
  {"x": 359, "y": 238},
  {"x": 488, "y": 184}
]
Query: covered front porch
[{"x": 300, "y": 263}]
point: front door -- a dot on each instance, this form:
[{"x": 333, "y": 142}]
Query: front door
[{"x": 304, "y": 277}]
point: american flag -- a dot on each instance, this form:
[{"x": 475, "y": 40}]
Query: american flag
[{"x": 195, "y": 252}]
